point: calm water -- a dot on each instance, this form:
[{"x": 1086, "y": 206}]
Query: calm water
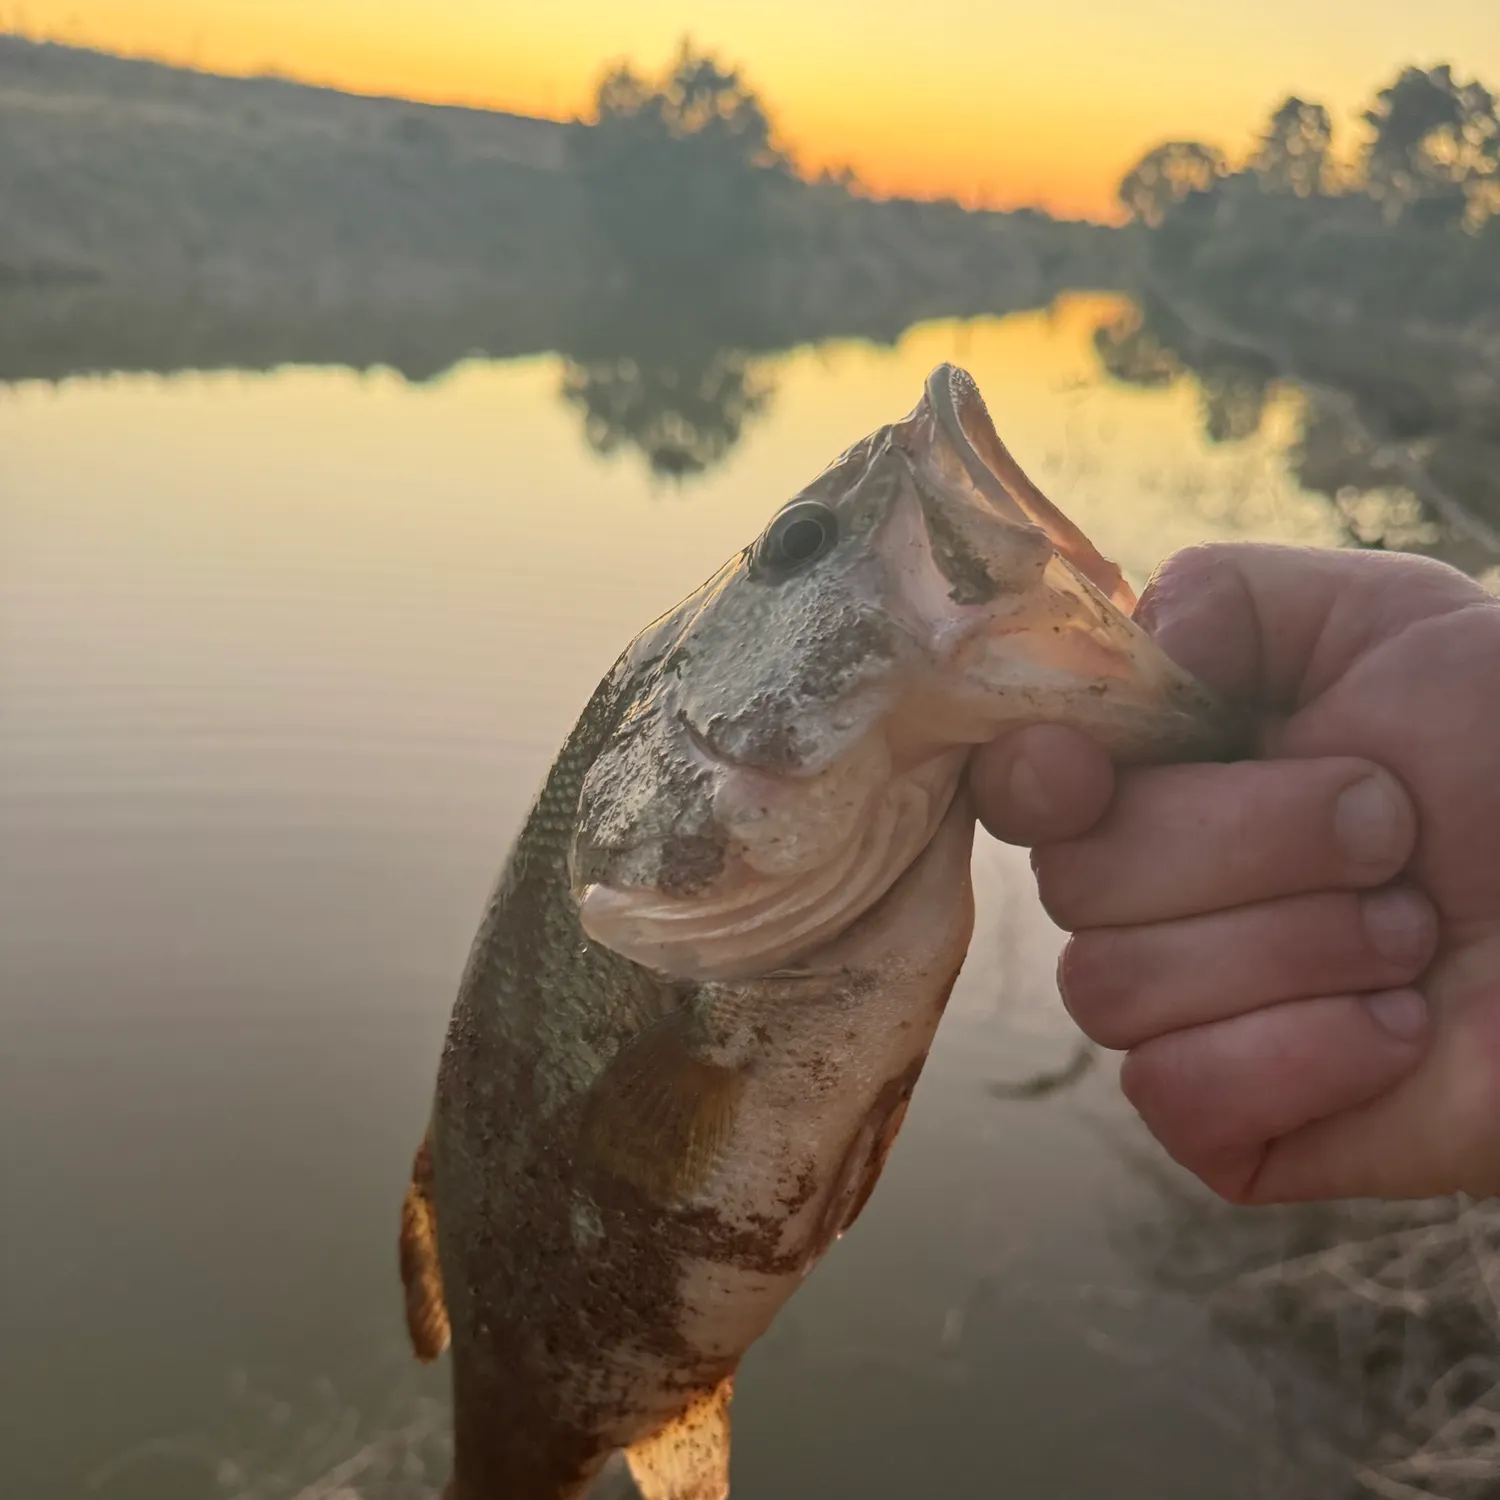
[{"x": 282, "y": 659}]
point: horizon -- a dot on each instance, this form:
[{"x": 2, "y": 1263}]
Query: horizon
[{"x": 1065, "y": 116}]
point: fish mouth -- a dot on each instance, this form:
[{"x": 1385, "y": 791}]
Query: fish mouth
[
  {"x": 1023, "y": 620},
  {"x": 963, "y": 420}
]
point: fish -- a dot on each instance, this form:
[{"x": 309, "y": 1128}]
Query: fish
[{"x": 708, "y": 979}]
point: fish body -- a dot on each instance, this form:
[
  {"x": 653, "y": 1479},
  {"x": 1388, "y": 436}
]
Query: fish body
[{"x": 714, "y": 964}]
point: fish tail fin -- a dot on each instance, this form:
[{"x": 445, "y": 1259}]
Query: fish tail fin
[
  {"x": 421, "y": 1274},
  {"x": 688, "y": 1459}
]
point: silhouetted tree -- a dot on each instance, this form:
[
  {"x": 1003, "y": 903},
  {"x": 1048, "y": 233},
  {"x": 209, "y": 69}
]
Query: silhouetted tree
[
  {"x": 1436, "y": 145},
  {"x": 1166, "y": 175},
  {"x": 1293, "y": 155},
  {"x": 683, "y": 178}
]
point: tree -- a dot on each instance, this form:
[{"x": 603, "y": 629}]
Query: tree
[
  {"x": 1294, "y": 153},
  {"x": 1436, "y": 145},
  {"x": 682, "y": 176},
  {"x": 1166, "y": 175}
]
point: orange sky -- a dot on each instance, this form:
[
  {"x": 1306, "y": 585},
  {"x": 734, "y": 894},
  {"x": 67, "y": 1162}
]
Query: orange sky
[{"x": 990, "y": 101}]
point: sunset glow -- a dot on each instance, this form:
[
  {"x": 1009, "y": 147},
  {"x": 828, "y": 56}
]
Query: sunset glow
[{"x": 989, "y": 102}]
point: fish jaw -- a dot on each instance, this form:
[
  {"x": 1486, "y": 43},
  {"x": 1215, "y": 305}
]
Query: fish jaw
[
  {"x": 1021, "y": 620},
  {"x": 1054, "y": 651}
]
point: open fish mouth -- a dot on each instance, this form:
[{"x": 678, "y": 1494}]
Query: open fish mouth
[{"x": 723, "y": 838}]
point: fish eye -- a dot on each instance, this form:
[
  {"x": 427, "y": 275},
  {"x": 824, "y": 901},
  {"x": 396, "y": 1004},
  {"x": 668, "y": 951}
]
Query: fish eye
[{"x": 801, "y": 534}]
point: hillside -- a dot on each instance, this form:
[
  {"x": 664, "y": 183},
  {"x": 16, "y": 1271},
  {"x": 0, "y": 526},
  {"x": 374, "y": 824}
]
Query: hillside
[
  {"x": 139, "y": 174},
  {"x": 154, "y": 217}
]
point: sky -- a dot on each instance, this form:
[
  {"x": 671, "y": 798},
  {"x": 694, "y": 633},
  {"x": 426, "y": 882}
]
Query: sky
[{"x": 989, "y": 101}]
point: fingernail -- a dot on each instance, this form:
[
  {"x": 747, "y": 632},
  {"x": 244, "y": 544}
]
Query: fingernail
[
  {"x": 1403, "y": 1013},
  {"x": 1367, "y": 820},
  {"x": 1398, "y": 924},
  {"x": 1026, "y": 792}
]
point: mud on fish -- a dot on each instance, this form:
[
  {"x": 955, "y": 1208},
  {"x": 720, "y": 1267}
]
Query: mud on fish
[{"x": 708, "y": 979}]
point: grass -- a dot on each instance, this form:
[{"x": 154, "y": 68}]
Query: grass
[{"x": 1375, "y": 1325}]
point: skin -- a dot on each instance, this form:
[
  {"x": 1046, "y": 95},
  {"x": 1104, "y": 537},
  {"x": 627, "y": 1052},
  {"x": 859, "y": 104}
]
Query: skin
[{"x": 1299, "y": 955}]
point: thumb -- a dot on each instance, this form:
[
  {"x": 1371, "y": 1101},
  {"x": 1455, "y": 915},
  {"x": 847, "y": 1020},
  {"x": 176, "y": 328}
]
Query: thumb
[{"x": 1277, "y": 625}]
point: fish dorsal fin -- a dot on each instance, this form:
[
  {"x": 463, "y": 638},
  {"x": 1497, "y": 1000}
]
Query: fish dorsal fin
[
  {"x": 688, "y": 1459},
  {"x": 659, "y": 1115},
  {"x": 421, "y": 1276}
]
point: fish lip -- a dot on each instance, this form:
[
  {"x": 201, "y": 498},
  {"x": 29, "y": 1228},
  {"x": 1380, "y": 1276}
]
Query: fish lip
[
  {"x": 1192, "y": 722},
  {"x": 960, "y": 414}
]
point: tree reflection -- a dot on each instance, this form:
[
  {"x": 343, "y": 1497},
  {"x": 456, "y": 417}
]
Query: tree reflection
[
  {"x": 684, "y": 414},
  {"x": 1384, "y": 494},
  {"x": 1232, "y": 391},
  {"x": 1233, "y": 398},
  {"x": 1134, "y": 354}
]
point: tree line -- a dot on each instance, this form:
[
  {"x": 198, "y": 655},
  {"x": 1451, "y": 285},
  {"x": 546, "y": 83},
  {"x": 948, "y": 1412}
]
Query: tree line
[
  {"x": 1407, "y": 224},
  {"x": 1431, "y": 157}
]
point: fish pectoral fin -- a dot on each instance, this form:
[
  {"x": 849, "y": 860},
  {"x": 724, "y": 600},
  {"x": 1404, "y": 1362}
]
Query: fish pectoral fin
[
  {"x": 658, "y": 1116},
  {"x": 421, "y": 1275},
  {"x": 688, "y": 1459}
]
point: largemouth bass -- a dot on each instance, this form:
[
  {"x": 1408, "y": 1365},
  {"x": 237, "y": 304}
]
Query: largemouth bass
[{"x": 712, "y": 969}]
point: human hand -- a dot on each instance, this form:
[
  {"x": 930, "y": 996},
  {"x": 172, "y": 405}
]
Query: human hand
[{"x": 1300, "y": 955}]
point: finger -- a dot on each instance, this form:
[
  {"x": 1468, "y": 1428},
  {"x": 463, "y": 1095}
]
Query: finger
[
  {"x": 1181, "y": 840},
  {"x": 1126, "y": 985},
  {"x": 1046, "y": 782},
  {"x": 1433, "y": 1134},
  {"x": 1278, "y": 624},
  {"x": 1217, "y": 1096}
]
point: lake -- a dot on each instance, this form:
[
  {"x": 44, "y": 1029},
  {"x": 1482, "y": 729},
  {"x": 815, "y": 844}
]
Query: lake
[{"x": 283, "y": 658}]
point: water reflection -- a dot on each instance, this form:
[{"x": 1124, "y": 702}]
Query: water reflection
[
  {"x": 1433, "y": 496},
  {"x": 293, "y": 1444},
  {"x": 267, "y": 730},
  {"x": 269, "y": 726},
  {"x": 683, "y": 417},
  {"x": 671, "y": 377}
]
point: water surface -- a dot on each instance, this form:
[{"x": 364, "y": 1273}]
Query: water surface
[{"x": 283, "y": 658}]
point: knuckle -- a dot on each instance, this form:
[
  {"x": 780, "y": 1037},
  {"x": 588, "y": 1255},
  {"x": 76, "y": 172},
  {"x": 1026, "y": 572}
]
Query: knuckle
[
  {"x": 1232, "y": 1177},
  {"x": 1100, "y": 985},
  {"x": 1141, "y": 1078},
  {"x": 1182, "y": 1106},
  {"x": 1190, "y": 567},
  {"x": 1061, "y": 884}
]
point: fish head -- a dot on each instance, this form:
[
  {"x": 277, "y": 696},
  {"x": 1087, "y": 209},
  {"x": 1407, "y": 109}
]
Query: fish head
[{"x": 790, "y": 737}]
